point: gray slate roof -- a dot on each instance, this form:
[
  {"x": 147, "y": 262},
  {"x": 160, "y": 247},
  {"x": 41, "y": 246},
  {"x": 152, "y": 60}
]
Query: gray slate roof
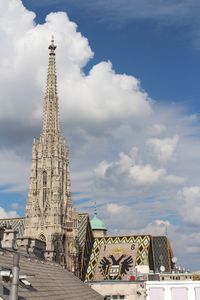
[
  {"x": 49, "y": 281},
  {"x": 16, "y": 223}
]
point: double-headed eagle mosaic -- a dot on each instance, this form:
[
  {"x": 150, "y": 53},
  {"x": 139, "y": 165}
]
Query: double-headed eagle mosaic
[{"x": 115, "y": 268}]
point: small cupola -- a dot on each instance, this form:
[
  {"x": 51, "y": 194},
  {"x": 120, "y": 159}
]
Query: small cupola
[{"x": 98, "y": 227}]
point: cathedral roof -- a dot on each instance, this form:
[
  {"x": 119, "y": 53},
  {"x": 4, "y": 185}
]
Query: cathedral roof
[
  {"x": 97, "y": 224},
  {"x": 131, "y": 250}
]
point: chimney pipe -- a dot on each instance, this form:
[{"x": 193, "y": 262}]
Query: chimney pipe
[{"x": 15, "y": 278}]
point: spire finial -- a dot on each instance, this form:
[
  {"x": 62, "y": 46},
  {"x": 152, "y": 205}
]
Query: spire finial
[
  {"x": 52, "y": 39},
  {"x": 52, "y": 47},
  {"x": 95, "y": 208}
]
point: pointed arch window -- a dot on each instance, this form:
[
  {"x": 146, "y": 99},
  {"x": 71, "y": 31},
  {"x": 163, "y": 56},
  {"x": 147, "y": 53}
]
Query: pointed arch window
[
  {"x": 44, "y": 179},
  {"x": 42, "y": 237}
]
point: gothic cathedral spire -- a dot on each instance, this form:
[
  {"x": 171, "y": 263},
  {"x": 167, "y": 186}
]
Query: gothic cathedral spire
[
  {"x": 50, "y": 115},
  {"x": 49, "y": 212}
]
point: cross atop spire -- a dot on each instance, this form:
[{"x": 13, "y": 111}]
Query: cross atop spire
[{"x": 50, "y": 114}]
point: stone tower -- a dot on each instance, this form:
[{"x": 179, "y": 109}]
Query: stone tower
[{"x": 49, "y": 213}]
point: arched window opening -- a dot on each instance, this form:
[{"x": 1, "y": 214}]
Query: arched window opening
[{"x": 42, "y": 238}]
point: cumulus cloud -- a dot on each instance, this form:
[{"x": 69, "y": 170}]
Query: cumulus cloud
[
  {"x": 107, "y": 98},
  {"x": 189, "y": 204},
  {"x": 129, "y": 171},
  {"x": 157, "y": 228},
  {"x": 163, "y": 149},
  {"x": 102, "y": 96},
  {"x": 24, "y": 57},
  {"x": 103, "y": 113},
  {"x": 183, "y": 241},
  {"x": 123, "y": 219},
  {"x": 89, "y": 104},
  {"x": 7, "y": 214}
]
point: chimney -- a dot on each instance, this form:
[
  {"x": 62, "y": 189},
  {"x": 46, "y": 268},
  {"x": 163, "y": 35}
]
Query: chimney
[
  {"x": 9, "y": 238},
  {"x": 31, "y": 247},
  {"x": 23, "y": 244},
  {"x": 1, "y": 235},
  {"x": 37, "y": 248}
]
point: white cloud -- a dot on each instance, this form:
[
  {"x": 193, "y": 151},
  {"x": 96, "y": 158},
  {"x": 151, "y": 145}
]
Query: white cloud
[
  {"x": 122, "y": 218},
  {"x": 7, "y": 214},
  {"x": 143, "y": 175},
  {"x": 15, "y": 171},
  {"x": 157, "y": 129},
  {"x": 184, "y": 243},
  {"x": 107, "y": 98},
  {"x": 114, "y": 208},
  {"x": 103, "y": 96},
  {"x": 156, "y": 228},
  {"x": 130, "y": 172},
  {"x": 103, "y": 113},
  {"x": 90, "y": 104},
  {"x": 189, "y": 204},
  {"x": 163, "y": 149},
  {"x": 24, "y": 57}
]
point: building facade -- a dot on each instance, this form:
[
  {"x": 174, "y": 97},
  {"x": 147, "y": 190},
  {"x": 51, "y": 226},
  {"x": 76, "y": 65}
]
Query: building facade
[
  {"x": 49, "y": 212},
  {"x": 148, "y": 290}
]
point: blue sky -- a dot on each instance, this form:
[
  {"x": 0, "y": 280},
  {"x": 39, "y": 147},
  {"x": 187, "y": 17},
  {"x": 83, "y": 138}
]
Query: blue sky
[
  {"x": 164, "y": 55},
  {"x": 128, "y": 84}
]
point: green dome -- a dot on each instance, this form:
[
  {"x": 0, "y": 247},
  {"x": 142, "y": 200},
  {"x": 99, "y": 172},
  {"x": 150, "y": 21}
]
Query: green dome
[{"x": 97, "y": 224}]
